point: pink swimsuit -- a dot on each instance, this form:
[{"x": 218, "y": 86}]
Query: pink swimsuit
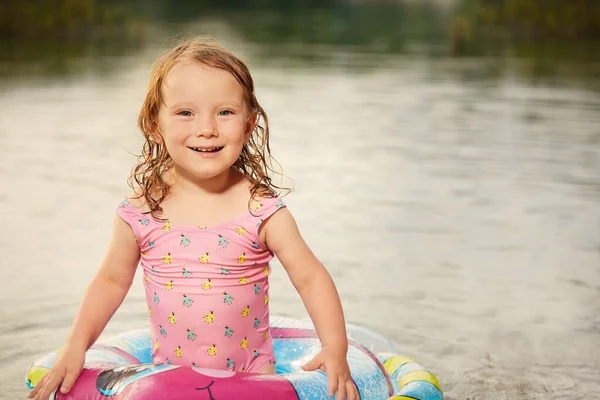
[{"x": 207, "y": 289}]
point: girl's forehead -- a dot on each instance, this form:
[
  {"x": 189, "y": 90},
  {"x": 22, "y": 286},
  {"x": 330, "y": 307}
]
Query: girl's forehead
[{"x": 193, "y": 75}]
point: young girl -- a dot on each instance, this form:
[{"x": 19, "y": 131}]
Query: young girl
[{"x": 204, "y": 221}]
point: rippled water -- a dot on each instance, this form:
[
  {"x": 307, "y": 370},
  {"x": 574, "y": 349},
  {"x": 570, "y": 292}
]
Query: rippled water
[{"x": 455, "y": 202}]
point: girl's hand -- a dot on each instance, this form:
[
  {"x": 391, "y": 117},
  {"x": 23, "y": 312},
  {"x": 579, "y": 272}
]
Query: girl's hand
[
  {"x": 65, "y": 370},
  {"x": 334, "y": 364}
]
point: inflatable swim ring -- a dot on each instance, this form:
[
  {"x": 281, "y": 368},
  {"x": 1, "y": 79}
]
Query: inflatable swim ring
[{"x": 120, "y": 368}]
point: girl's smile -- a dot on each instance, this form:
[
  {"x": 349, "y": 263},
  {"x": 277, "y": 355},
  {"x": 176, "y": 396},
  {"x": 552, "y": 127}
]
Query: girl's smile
[{"x": 207, "y": 152}]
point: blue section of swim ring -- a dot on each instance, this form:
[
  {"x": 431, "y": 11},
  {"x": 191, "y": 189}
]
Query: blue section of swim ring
[
  {"x": 105, "y": 356},
  {"x": 137, "y": 343},
  {"x": 291, "y": 354},
  {"x": 421, "y": 390}
]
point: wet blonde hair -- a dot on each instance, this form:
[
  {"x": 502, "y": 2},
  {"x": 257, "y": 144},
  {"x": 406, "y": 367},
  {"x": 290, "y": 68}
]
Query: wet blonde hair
[{"x": 147, "y": 177}]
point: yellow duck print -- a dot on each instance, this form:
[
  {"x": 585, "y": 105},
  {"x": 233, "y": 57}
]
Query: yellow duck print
[
  {"x": 143, "y": 254},
  {"x": 265, "y": 335},
  {"x": 169, "y": 285},
  {"x": 243, "y": 280},
  {"x": 166, "y": 227},
  {"x": 147, "y": 278},
  {"x": 212, "y": 350},
  {"x": 209, "y": 318},
  {"x": 240, "y": 230},
  {"x": 266, "y": 270},
  {"x": 266, "y": 300},
  {"x": 149, "y": 311},
  {"x": 256, "y": 207},
  {"x": 244, "y": 343},
  {"x": 156, "y": 346},
  {"x": 207, "y": 285},
  {"x": 178, "y": 352},
  {"x": 246, "y": 312},
  {"x": 242, "y": 258},
  {"x": 167, "y": 259},
  {"x": 172, "y": 319},
  {"x": 204, "y": 258}
]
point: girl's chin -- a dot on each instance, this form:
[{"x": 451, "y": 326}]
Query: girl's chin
[{"x": 202, "y": 174}]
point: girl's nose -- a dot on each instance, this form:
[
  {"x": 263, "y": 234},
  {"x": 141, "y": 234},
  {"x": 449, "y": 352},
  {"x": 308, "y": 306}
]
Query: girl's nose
[
  {"x": 206, "y": 128},
  {"x": 206, "y": 132}
]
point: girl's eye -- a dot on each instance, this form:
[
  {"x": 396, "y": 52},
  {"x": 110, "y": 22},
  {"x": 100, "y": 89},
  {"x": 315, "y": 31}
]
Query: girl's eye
[
  {"x": 185, "y": 113},
  {"x": 225, "y": 113}
]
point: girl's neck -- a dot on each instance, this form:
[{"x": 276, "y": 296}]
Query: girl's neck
[{"x": 181, "y": 183}]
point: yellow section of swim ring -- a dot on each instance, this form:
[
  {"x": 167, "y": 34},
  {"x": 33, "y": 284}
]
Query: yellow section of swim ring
[
  {"x": 35, "y": 373},
  {"x": 396, "y": 362}
]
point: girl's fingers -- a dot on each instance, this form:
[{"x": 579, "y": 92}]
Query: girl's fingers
[
  {"x": 42, "y": 395},
  {"x": 332, "y": 384},
  {"x": 38, "y": 387},
  {"x": 341, "y": 390},
  {"x": 69, "y": 381},
  {"x": 312, "y": 364},
  {"x": 352, "y": 391},
  {"x": 43, "y": 389},
  {"x": 49, "y": 386}
]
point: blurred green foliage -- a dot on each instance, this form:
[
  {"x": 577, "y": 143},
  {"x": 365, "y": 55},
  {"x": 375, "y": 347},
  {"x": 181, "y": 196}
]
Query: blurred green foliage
[
  {"x": 310, "y": 21},
  {"x": 55, "y": 31},
  {"x": 60, "y": 37},
  {"x": 61, "y": 18},
  {"x": 45, "y": 36},
  {"x": 531, "y": 18}
]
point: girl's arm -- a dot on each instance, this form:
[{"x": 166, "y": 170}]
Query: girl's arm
[
  {"x": 108, "y": 288},
  {"x": 318, "y": 292},
  {"x": 102, "y": 298}
]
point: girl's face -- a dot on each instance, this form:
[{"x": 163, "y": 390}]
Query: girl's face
[{"x": 204, "y": 120}]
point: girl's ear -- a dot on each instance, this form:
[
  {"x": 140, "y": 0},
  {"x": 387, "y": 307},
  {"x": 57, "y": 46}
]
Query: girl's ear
[
  {"x": 155, "y": 133},
  {"x": 250, "y": 124},
  {"x": 156, "y": 137}
]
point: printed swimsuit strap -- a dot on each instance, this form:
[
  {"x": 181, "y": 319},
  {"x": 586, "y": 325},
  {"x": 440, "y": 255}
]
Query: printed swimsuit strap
[
  {"x": 130, "y": 215},
  {"x": 267, "y": 208}
]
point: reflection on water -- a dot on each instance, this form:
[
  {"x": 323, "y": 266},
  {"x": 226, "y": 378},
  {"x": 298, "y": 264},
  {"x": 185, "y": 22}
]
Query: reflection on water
[{"x": 457, "y": 196}]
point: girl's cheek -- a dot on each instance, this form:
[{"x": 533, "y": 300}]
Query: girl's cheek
[
  {"x": 233, "y": 124},
  {"x": 179, "y": 126}
]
